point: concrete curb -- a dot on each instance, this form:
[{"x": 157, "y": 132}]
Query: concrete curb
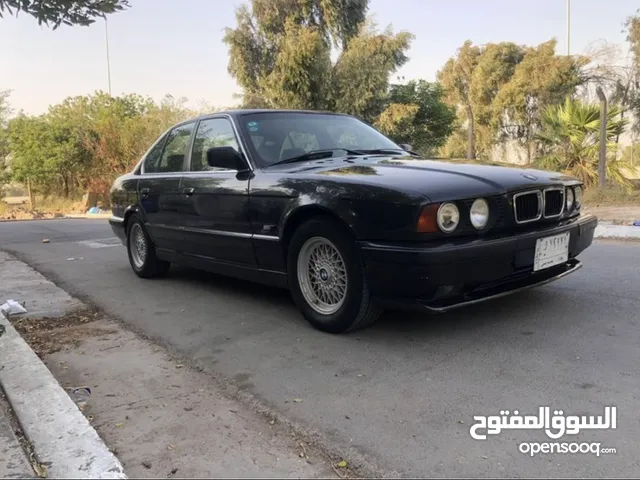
[
  {"x": 60, "y": 434},
  {"x": 626, "y": 232}
]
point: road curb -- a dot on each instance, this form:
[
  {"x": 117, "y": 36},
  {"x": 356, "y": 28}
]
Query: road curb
[
  {"x": 60, "y": 434},
  {"x": 626, "y": 232}
]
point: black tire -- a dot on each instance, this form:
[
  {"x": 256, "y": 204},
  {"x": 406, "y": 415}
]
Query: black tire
[
  {"x": 150, "y": 267},
  {"x": 358, "y": 310}
]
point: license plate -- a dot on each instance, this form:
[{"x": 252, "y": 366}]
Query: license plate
[{"x": 551, "y": 251}]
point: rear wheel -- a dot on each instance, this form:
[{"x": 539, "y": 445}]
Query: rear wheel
[
  {"x": 142, "y": 252},
  {"x": 327, "y": 278}
]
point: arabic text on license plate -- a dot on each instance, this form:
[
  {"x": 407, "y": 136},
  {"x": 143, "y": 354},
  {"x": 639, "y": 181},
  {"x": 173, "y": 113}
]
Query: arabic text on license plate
[{"x": 551, "y": 251}]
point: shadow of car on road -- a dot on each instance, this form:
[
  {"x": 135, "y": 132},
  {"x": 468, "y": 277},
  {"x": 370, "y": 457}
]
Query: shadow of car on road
[{"x": 393, "y": 325}]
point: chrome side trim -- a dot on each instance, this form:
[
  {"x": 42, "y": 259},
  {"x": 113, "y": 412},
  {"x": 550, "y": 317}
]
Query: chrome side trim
[
  {"x": 576, "y": 267},
  {"x": 116, "y": 219},
  {"x": 225, "y": 233},
  {"x": 269, "y": 238},
  {"x": 540, "y": 206},
  {"x": 222, "y": 233},
  {"x": 544, "y": 203}
]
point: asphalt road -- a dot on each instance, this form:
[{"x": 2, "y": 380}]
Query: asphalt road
[{"x": 401, "y": 395}]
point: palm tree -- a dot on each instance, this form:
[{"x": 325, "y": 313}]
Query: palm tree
[{"x": 570, "y": 139}]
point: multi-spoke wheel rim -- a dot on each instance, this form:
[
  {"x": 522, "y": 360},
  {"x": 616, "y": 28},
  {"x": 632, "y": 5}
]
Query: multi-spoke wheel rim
[
  {"x": 137, "y": 245},
  {"x": 322, "y": 275}
]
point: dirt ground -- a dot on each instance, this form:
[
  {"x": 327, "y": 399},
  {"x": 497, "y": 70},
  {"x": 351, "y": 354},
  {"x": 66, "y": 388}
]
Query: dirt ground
[{"x": 162, "y": 418}]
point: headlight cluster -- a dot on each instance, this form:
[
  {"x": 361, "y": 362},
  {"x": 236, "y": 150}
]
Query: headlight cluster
[
  {"x": 573, "y": 198},
  {"x": 447, "y": 216}
]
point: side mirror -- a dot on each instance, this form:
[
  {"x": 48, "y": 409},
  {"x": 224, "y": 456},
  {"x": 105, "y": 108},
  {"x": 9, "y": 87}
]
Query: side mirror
[
  {"x": 225, "y": 157},
  {"x": 406, "y": 147}
]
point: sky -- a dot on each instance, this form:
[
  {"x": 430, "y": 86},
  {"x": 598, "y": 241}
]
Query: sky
[{"x": 175, "y": 47}]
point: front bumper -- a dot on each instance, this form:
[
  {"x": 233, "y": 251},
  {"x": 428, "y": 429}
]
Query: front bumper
[{"x": 447, "y": 275}]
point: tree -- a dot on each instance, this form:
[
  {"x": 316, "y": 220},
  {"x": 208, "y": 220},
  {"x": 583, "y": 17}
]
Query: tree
[
  {"x": 85, "y": 142},
  {"x": 5, "y": 113},
  {"x": 456, "y": 77},
  {"x": 570, "y": 141},
  {"x": 500, "y": 89},
  {"x": 43, "y": 153},
  {"x": 417, "y": 115},
  {"x": 541, "y": 79},
  {"x": 68, "y": 12},
  {"x": 280, "y": 54}
]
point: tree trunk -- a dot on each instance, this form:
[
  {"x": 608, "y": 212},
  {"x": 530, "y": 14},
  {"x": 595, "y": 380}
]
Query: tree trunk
[
  {"x": 602, "y": 161},
  {"x": 471, "y": 140},
  {"x": 32, "y": 197},
  {"x": 65, "y": 182}
]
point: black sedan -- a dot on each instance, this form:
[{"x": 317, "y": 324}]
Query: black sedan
[{"x": 349, "y": 221}]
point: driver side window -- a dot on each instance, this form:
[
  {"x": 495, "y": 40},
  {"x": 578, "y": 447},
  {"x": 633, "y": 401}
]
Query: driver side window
[{"x": 214, "y": 132}]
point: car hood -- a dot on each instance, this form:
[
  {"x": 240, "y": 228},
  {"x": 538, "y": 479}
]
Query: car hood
[{"x": 435, "y": 179}]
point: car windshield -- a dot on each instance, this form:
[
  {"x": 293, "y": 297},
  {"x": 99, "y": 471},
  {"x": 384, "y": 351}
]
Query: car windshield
[{"x": 279, "y": 136}]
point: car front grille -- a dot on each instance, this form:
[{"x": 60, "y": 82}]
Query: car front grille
[
  {"x": 533, "y": 205},
  {"x": 527, "y": 206},
  {"x": 553, "y": 202}
]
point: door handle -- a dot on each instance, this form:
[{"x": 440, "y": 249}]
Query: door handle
[
  {"x": 144, "y": 192},
  {"x": 188, "y": 191}
]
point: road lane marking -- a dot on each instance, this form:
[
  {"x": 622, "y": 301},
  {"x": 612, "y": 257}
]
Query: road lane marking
[{"x": 102, "y": 243}]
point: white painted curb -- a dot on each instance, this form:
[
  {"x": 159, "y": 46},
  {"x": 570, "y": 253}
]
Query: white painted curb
[
  {"x": 60, "y": 434},
  {"x": 630, "y": 232}
]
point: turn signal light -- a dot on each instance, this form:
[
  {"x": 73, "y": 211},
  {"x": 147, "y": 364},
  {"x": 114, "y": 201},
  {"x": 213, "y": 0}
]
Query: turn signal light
[{"x": 427, "y": 221}]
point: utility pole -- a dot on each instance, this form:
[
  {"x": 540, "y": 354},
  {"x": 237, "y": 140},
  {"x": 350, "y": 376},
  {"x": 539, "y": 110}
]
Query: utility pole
[
  {"x": 602, "y": 161},
  {"x": 106, "y": 37},
  {"x": 568, "y": 27}
]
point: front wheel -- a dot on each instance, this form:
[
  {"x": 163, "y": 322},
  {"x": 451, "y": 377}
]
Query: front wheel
[
  {"x": 327, "y": 278},
  {"x": 142, "y": 252}
]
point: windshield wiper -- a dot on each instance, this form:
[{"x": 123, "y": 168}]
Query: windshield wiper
[
  {"x": 377, "y": 151},
  {"x": 324, "y": 153}
]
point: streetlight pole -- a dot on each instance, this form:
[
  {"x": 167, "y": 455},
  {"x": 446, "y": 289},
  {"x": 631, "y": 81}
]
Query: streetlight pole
[
  {"x": 568, "y": 27},
  {"x": 106, "y": 37}
]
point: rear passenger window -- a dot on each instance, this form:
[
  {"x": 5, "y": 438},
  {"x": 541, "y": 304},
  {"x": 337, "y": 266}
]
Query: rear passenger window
[{"x": 175, "y": 149}]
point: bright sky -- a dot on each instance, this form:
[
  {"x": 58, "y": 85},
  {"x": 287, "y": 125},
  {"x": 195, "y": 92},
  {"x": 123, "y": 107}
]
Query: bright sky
[{"x": 175, "y": 46}]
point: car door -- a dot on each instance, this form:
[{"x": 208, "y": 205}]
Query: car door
[
  {"x": 217, "y": 219},
  {"x": 159, "y": 189}
]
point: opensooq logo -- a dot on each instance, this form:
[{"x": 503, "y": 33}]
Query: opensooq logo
[{"x": 555, "y": 426}]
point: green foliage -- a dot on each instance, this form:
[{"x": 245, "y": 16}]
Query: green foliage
[
  {"x": 541, "y": 79},
  {"x": 58, "y": 12},
  {"x": 501, "y": 88},
  {"x": 417, "y": 115},
  {"x": 570, "y": 141},
  {"x": 280, "y": 54},
  {"x": 85, "y": 142},
  {"x": 361, "y": 74}
]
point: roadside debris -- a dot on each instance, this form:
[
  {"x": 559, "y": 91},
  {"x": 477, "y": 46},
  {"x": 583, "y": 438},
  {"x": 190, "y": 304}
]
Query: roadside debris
[
  {"x": 80, "y": 396},
  {"x": 636, "y": 223},
  {"x": 70, "y": 259},
  {"x": 11, "y": 307}
]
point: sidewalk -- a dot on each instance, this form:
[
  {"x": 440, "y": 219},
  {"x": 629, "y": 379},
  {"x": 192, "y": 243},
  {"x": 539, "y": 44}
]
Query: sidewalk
[{"x": 13, "y": 459}]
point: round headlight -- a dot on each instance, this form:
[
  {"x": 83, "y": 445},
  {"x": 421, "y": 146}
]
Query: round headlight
[
  {"x": 479, "y": 213},
  {"x": 570, "y": 199},
  {"x": 448, "y": 217},
  {"x": 578, "y": 197}
]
